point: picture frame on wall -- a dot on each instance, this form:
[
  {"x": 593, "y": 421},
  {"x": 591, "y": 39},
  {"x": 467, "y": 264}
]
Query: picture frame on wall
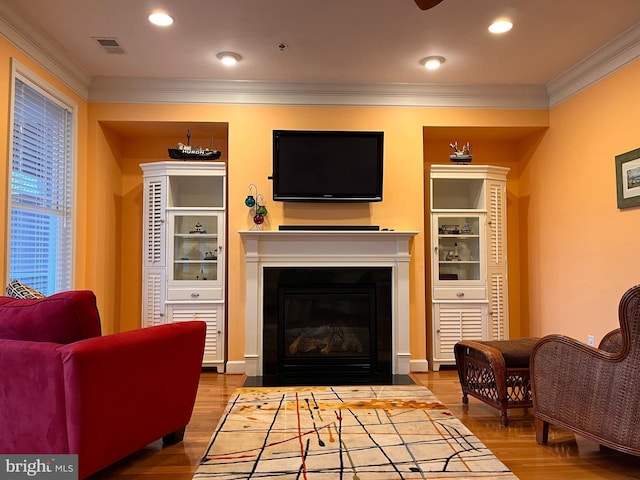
[{"x": 628, "y": 179}]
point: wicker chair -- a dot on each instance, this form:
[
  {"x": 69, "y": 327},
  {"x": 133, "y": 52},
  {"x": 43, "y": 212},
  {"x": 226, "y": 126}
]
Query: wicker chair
[{"x": 594, "y": 392}]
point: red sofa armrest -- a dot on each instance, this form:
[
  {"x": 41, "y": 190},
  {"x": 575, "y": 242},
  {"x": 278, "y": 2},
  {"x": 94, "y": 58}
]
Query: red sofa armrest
[
  {"x": 129, "y": 389},
  {"x": 32, "y": 398}
]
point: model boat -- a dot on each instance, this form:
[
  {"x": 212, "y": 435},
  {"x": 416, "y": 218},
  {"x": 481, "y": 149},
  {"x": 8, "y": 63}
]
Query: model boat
[
  {"x": 461, "y": 155},
  {"x": 460, "y": 158},
  {"x": 187, "y": 152}
]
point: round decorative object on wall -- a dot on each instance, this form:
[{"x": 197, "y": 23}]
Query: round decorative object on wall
[{"x": 255, "y": 201}]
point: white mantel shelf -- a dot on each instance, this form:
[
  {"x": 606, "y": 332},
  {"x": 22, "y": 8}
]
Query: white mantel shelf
[{"x": 335, "y": 248}]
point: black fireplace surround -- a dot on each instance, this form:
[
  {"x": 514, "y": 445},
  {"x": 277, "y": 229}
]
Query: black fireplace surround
[{"x": 327, "y": 325}]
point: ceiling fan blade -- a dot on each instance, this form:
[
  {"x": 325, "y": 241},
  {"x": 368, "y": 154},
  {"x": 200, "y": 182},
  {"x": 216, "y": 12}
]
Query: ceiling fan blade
[{"x": 427, "y": 4}]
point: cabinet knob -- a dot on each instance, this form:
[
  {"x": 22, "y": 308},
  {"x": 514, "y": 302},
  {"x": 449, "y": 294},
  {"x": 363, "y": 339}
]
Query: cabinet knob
[
  {"x": 195, "y": 295},
  {"x": 460, "y": 294}
]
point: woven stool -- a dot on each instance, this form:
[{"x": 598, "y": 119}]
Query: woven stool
[{"x": 496, "y": 373}]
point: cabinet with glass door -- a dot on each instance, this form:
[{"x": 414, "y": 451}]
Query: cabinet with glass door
[
  {"x": 467, "y": 216},
  {"x": 458, "y": 241},
  {"x": 183, "y": 246}
]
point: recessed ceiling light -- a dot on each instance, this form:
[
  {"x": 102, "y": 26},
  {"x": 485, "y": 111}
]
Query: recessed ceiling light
[
  {"x": 228, "y": 58},
  {"x": 161, "y": 19},
  {"x": 433, "y": 62},
  {"x": 500, "y": 26}
]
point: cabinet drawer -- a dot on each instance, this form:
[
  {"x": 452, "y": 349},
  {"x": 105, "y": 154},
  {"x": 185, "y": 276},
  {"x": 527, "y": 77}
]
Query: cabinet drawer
[
  {"x": 459, "y": 293},
  {"x": 195, "y": 294}
]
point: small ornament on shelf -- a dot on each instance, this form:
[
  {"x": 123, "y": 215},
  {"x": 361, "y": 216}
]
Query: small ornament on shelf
[
  {"x": 461, "y": 155},
  {"x": 198, "y": 229},
  {"x": 255, "y": 201}
]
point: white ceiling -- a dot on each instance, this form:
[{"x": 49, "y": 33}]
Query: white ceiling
[{"x": 352, "y": 42}]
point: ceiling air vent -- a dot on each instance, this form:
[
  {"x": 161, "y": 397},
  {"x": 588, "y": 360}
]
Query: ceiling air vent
[{"x": 110, "y": 45}]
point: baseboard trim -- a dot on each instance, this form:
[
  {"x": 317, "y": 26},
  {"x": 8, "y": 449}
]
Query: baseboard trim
[
  {"x": 236, "y": 367},
  {"x": 419, "y": 366}
]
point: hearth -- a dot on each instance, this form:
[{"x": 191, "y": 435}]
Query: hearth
[{"x": 327, "y": 325}]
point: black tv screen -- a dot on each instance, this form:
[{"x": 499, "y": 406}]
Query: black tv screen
[{"x": 316, "y": 166}]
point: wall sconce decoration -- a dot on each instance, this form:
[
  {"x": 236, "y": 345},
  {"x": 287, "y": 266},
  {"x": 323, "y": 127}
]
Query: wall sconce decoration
[{"x": 255, "y": 201}]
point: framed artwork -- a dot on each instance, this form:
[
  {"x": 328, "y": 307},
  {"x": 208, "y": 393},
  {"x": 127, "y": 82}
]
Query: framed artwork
[{"x": 628, "y": 178}]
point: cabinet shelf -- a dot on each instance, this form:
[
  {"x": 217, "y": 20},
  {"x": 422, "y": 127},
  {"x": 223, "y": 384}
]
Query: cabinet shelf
[
  {"x": 458, "y": 262},
  {"x": 195, "y": 261},
  {"x": 457, "y": 235},
  {"x": 463, "y": 211},
  {"x": 196, "y": 235},
  {"x": 194, "y": 209}
]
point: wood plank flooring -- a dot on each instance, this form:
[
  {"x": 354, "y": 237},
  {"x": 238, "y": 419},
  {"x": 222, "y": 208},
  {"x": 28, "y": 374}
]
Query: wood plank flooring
[{"x": 566, "y": 457}]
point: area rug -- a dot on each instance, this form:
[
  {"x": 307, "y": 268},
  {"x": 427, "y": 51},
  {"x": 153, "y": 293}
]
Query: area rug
[{"x": 354, "y": 433}]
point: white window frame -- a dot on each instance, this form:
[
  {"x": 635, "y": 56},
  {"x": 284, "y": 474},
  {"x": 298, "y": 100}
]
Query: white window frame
[{"x": 25, "y": 75}]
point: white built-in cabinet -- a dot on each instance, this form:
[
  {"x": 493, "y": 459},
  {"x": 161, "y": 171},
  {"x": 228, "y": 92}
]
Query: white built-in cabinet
[
  {"x": 184, "y": 231},
  {"x": 469, "y": 288}
]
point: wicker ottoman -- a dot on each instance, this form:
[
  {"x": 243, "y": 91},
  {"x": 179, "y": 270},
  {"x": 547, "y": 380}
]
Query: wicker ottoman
[{"x": 496, "y": 372}]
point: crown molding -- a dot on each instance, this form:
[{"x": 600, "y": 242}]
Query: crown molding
[
  {"x": 621, "y": 51},
  {"x": 44, "y": 50},
  {"x": 197, "y": 91},
  {"x": 35, "y": 43}
]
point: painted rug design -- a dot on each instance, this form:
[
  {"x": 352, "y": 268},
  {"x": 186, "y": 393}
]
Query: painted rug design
[{"x": 351, "y": 433}]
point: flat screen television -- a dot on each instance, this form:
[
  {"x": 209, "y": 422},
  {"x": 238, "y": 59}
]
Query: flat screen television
[{"x": 327, "y": 166}]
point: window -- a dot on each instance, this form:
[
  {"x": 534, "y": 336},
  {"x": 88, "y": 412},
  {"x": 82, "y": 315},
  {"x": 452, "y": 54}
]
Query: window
[{"x": 41, "y": 233}]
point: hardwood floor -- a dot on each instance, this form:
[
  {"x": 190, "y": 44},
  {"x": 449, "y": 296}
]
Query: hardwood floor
[{"x": 566, "y": 457}]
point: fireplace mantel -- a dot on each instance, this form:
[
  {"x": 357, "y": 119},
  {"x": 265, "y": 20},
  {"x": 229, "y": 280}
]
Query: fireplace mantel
[{"x": 336, "y": 248}]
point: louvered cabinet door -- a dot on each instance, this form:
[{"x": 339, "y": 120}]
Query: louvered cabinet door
[
  {"x": 153, "y": 291},
  {"x": 154, "y": 224},
  {"x": 213, "y": 314},
  {"x": 498, "y": 312},
  {"x": 452, "y": 323},
  {"x": 497, "y": 285},
  {"x": 496, "y": 224}
]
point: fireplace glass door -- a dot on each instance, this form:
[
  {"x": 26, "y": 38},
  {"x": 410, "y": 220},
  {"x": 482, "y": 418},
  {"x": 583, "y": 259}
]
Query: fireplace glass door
[
  {"x": 327, "y": 326},
  {"x": 327, "y": 322}
]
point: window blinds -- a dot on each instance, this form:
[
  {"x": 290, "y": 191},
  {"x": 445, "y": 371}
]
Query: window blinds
[{"x": 41, "y": 190}]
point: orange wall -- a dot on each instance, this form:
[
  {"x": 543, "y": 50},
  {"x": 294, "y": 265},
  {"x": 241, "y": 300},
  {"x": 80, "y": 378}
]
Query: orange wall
[
  {"x": 570, "y": 248},
  {"x": 249, "y": 162},
  {"x": 582, "y": 250}
]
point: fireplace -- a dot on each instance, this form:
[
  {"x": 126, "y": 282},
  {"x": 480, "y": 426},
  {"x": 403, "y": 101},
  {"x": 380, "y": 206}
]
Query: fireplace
[
  {"x": 332, "y": 249},
  {"x": 330, "y": 323}
]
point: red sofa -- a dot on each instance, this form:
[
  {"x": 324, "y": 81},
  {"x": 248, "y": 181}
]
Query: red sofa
[{"x": 64, "y": 388}]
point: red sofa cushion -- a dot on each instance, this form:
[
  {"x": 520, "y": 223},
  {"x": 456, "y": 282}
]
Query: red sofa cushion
[{"x": 64, "y": 317}]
